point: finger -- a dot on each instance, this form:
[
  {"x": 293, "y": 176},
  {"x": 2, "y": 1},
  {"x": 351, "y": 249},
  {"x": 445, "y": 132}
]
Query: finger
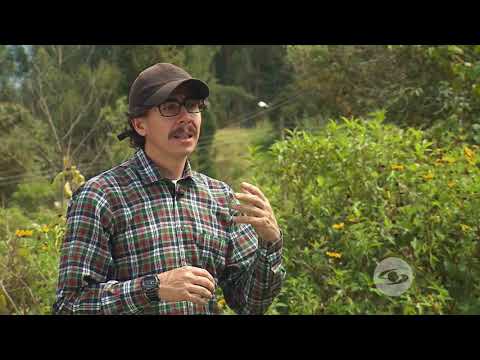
[
  {"x": 251, "y": 199},
  {"x": 254, "y": 190},
  {"x": 204, "y": 282},
  {"x": 255, "y": 221},
  {"x": 196, "y": 299},
  {"x": 202, "y": 272},
  {"x": 250, "y": 210},
  {"x": 200, "y": 291}
]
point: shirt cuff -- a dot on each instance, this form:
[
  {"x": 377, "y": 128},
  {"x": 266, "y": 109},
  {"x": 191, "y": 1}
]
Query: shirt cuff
[
  {"x": 271, "y": 246},
  {"x": 271, "y": 253},
  {"x": 133, "y": 296}
]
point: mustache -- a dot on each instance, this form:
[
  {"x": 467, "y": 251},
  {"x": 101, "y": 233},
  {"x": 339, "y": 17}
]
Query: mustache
[{"x": 189, "y": 128}]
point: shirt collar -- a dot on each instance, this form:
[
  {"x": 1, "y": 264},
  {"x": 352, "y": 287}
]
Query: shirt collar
[{"x": 149, "y": 172}]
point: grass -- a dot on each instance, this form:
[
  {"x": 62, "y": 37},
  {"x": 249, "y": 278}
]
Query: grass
[{"x": 231, "y": 152}]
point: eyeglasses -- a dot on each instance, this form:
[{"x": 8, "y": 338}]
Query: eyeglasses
[{"x": 173, "y": 107}]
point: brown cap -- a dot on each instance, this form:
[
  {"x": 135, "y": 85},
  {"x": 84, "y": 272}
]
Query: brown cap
[{"x": 154, "y": 85}]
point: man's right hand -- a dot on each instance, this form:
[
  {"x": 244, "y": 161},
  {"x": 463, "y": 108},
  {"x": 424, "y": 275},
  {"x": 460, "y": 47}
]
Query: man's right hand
[{"x": 187, "y": 283}]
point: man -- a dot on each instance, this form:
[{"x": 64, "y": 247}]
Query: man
[{"x": 152, "y": 236}]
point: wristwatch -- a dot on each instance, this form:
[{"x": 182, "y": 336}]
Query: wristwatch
[{"x": 150, "y": 284}]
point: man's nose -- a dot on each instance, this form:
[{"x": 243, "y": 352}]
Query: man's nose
[{"x": 185, "y": 115}]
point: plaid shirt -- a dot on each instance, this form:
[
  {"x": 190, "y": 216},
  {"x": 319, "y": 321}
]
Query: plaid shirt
[{"x": 129, "y": 222}]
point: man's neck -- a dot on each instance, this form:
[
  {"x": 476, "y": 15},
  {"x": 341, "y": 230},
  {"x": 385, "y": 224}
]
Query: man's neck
[{"x": 170, "y": 167}]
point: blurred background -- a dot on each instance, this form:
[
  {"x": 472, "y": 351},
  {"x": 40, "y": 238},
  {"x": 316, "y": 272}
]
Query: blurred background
[{"x": 365, "y": 152}]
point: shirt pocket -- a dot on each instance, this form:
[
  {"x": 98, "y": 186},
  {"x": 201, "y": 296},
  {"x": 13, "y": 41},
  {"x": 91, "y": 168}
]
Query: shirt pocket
[{"x": 211, "y": 248}]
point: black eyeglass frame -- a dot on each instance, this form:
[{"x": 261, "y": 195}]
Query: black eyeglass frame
[{"x": 203, "y": 104}]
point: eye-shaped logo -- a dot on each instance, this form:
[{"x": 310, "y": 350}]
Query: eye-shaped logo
[{"x": 393, "y": 276}]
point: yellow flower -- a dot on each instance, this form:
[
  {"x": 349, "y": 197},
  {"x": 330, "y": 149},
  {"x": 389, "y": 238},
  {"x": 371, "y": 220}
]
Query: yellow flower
[
  {"x": 398, "y": 167},
  {"x": 428, "y": 177},
  {"x": 469, "y": 155},
  {"x": 23, "y": 233},
  {"x": 334, "y": 254},
  {"x": 222, "y": 303},
  {"x": 465, "y": 228},
  {"x": 445, "y": 160},
  {"x": 338, "y": 226},
  {"x": 67, "y": 190},
  {"x": 451, "y": 184},
  {"x": 45, "y": 229},
  {"x": 77, "y": 176}
]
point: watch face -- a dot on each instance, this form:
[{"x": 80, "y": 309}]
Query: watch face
[
  {"x": 150, "y": 285},
  {"x": 150, "y": 282}
]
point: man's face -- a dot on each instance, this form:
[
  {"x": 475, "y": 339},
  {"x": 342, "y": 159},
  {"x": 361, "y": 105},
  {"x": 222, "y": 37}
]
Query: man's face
[{"x": 174, "y": 136}]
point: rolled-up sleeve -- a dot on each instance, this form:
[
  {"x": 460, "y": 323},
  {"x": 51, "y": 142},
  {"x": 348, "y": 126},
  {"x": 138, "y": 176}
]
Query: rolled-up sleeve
[{"x": 86, "y": 264}]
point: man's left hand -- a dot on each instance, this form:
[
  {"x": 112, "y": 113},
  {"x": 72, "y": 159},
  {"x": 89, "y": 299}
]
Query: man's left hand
[{"x": 256, "y": 211}]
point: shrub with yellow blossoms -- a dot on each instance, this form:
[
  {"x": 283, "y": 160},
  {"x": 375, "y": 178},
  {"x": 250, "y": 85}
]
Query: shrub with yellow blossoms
[{"x": 401, "y": 193}]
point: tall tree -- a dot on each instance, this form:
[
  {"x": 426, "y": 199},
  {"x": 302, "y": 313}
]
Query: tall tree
[{"x": 62, "y": 96}]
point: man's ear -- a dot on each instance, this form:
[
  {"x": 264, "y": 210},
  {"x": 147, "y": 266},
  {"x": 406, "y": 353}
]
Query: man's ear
[{"x": 139, "y": 125}]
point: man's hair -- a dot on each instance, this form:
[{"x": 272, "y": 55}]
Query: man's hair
[{"x": 137, "y": 141}]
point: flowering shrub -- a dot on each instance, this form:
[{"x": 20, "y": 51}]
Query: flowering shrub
[
  {"x": 29, "y": 268},
  {"x": 30, "y": 248},
  {"x": 362, "y": 191},
  {"x": 356, "y": 193}
]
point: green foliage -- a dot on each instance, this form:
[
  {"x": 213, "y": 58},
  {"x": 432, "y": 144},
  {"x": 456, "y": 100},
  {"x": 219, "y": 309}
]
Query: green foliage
[
  {"x": 12, "y": 218},
  {"x": 32, "y": 196},
  {"x": 116, "y": 119},
  {"x": 250, "y": 73},
  {"x": 21, "y": 154},
  {"x": 418, "y": 85},
  {"x": 231, "y": 151},
  {"x": 406, "y": 193},
  {"x": 368, "y": 191},
  {"x": 29, "y": 267}
]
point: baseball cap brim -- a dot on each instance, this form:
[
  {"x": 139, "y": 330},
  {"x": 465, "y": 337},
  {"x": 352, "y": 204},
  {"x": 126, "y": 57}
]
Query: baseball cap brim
[{"x": 199, "y": 88}]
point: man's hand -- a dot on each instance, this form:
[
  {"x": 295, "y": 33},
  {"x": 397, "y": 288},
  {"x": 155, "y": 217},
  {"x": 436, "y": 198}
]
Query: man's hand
[
  {"x": 256, "y": 211},
  {"x": 187, "y": 283}
]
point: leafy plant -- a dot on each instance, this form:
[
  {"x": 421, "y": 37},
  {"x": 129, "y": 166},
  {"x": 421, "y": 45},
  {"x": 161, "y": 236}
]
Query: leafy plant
[{"x": 362, "y": 191}]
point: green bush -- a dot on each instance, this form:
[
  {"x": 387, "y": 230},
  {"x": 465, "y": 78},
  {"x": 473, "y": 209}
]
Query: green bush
[
  {"x": 346, "y": 198},
  {"x": 30, "y": 196},
  {"x": 29, "y": 255},
  {"x": 11, "y": 219},
  {"x": 362, "y": 191}
]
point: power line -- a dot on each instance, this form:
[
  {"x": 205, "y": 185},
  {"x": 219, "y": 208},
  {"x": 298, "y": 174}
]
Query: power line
[
  {"x": 283, "y": 102},
  {"x": 31, "y": 177},
  {"x": 53, "y": 171},
  {"x": 204, "y": 143},
  {"x": 9, "y": 180},
  {"x": 251, "y": 115}
]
